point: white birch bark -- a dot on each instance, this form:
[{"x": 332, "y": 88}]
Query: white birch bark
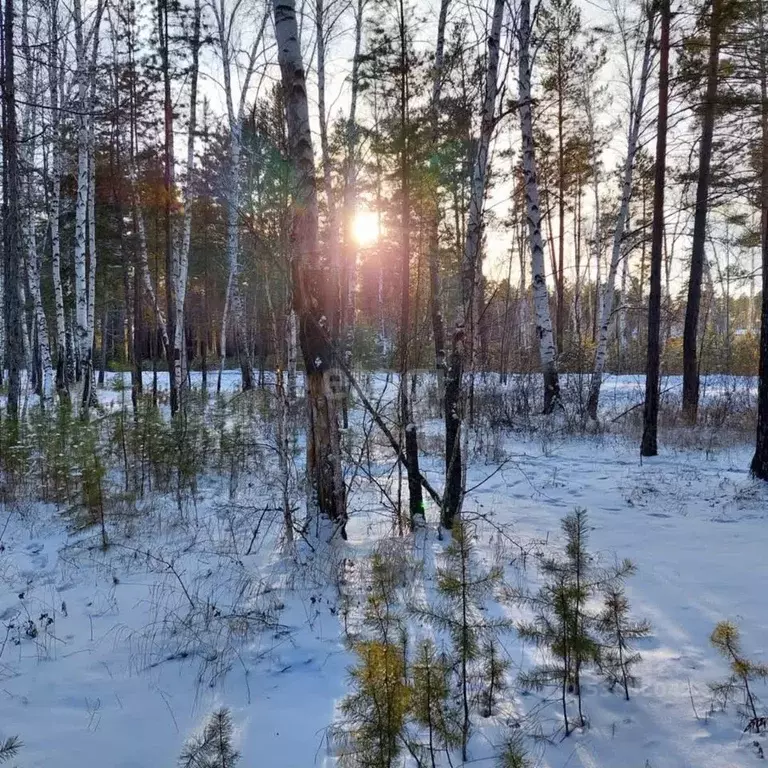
[
  {"x": 55, "y": 87},
  {"x": 547, "y": 347},
  {"x": 85, "y": 274},
  {"x": 29, "y": 143},
  {"x": 606, "y": 298},
  {"x": 81, "y": 200},
  {"x": 226, "y": 22},
  {"x": 291, "y": 343}
]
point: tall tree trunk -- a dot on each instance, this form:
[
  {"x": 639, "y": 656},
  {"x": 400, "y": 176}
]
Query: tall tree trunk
[
  {"x": 11, "y": 234},
  {"x": 171, "y": 270},
  {"x": 54, "y": 208},
  {"x": 547, "y": 347},
  {"x": 349, "y": 255},
  {"x": 233, "y": 303},
  {"x": 560, "y": 322},
  {"x": 181, "y": 262},
  {"x": 648, "y": 445},
  {"x": 415, "y": 498},
  {"x": 607, "y": 292},
  {"x": 42, "y": 346},
  {"x": 463, "y": 335},
  {"x": 324, "y": 467},
  {"x": 81, "y": 201},
  {"x": 690, "y": 334},
  {"x": 435, "y": 281},
  {"x": 759, "y": 465}
]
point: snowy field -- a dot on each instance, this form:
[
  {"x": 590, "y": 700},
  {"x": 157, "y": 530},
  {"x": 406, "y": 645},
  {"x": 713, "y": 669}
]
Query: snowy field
[{"x": 116, "y": 657}]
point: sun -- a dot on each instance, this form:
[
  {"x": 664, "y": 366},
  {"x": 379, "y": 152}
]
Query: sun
[{"x": 365, "y": 228}]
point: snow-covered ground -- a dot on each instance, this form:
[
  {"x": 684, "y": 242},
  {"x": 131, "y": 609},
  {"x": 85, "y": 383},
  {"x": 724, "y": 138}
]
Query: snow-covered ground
[{"x": 114, "y": 658}]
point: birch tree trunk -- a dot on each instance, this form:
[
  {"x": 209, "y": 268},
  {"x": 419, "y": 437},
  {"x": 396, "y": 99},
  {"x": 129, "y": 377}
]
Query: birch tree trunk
[
  {"x": 81, "y": 200},
  {"x": 233, "y": 303},
  {"x": 85, "y": 273},
  {"x": 55, "y": 83},
  {"x": 463, "y": 335},
  {"x": 547, "y": 348},
  {"x": 435, "y": 281},
  {"x": 43, "y": 350},
  {"x": 324, "y": 469},
  {"x": 171, "y": 260},
  {"x": 181, "y": 262},
  {"x": 607, "y": 294}
]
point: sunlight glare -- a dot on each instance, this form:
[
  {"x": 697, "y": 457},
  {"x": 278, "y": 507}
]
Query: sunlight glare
[{"x": 366, "y": 228}]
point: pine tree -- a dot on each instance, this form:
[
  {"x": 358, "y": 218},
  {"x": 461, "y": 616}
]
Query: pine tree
[
  {"x": 213, "y": 749},
  {"x": 726, "y": 638},
  {"x": 376, "y": 709},
  {"x": 431, "y": 705},
  {"x": 513, "y": 754},
  {"x": 563, "y": 625},
  {"x": 9, "y": 749},
  {"x": 462, "y": 588},
  {"x": 495, "y": 668},
  {"x": 617, "y": 631}
]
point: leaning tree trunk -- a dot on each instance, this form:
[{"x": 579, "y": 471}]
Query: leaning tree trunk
[
  {"x": 547, "y": 347},
  {"x": 463, "y": 335},
  {"x": 648, "y": 446},
  {"x": 606, "y": 296},
  {"x": 324, "y": 467},
  {"x": 691, "y": 331}
]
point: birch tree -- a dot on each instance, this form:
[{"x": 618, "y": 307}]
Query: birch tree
[
  {"x": 543, "y": 319},
  {"x": 57, "y": 65},
  {"x": 227, "y": 20},
  {"x": 637, "y": 106},
  {"x": 29, "y": 139},
  {"x": 463, "y": 335},
  {"x": 85, "y": 273},
  {"x": 435, "y": 281}
]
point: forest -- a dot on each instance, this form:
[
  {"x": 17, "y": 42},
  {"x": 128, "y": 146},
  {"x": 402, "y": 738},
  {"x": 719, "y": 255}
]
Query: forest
[{"x": 384, "y": 383}]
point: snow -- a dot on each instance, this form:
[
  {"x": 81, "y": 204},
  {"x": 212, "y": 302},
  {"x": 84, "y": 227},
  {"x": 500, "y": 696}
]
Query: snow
[{"x": 129, "y": 671}]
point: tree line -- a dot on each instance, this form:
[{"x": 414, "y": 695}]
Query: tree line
[{"x": 194, "y": 185}]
